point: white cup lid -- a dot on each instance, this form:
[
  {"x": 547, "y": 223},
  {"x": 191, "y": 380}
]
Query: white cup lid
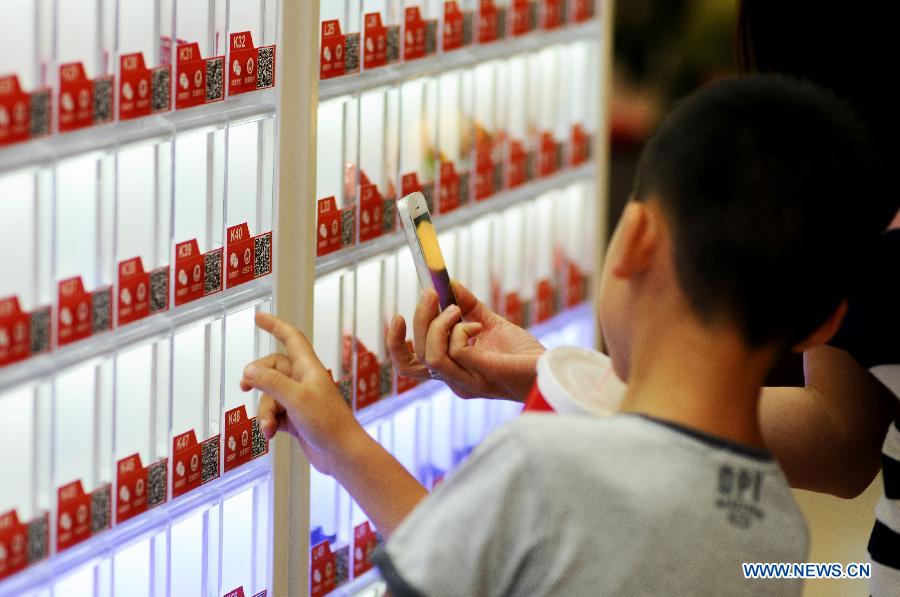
[{"x": 579, "y": 381}]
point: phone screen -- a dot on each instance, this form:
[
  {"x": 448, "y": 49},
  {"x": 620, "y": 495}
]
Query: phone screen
[{"x": 431, "y": 253}]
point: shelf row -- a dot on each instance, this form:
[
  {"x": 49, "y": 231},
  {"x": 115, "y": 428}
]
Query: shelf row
[
  {"x": 460, "y": 137},
  {"x": 362, "y": 36},
  {"x": 112, "y": 237},
  {"x": 66, "y": 66},
  {"x": 431, "y": 433}
]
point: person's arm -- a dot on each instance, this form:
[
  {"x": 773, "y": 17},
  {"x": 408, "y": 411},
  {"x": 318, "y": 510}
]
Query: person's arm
[
  {"x": 300, "y": 398},
  {"x": 492, "y": 358},
  {"x": 828, "y": 435}
]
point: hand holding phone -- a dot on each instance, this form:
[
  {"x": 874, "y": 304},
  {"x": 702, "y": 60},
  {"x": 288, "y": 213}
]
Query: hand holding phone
[{"x": 423, "y": 244}]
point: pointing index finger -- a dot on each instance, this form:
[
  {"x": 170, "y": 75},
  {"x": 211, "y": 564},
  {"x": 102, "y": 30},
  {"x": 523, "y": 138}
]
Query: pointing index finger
[{"x": 298, "y": 347}]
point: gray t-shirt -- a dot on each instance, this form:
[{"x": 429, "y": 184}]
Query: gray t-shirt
[{"x": 553, "y": 505}]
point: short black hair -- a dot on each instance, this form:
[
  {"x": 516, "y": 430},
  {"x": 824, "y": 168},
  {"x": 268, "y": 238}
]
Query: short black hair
[{"x": 766, "y": 181}]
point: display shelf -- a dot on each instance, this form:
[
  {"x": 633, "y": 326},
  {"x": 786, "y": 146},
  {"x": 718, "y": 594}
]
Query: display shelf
[
  {"x": 46, "y": 150},
  {"x": 397, "y": 73},
  {"x": 443, "y": 222},
  {"x": 129, "y": 532}
]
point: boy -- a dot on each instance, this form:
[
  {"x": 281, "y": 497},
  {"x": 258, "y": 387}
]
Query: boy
[{"x": 746, "y": 187}]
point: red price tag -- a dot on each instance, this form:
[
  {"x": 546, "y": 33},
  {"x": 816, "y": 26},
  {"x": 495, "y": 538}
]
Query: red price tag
[
  {"x": 334, "y": 227},
  {"x": 250, "y": 68},
  {"x": 193, "y": 464},
  {"x": 544, "y": 305},
  {"x": 141, "y": 293},
  {"x": 371, "y": 212},
  {"x": 16, "y": 542},
  {"x": 549, "y": 158},
  {"x": 15, "y": 332},
  {"x": 364, "y": 543},
  {"x": 490, "y": 22},
  {"x": 521, "y": 17},
  {"x": 484, "y": 170},
  {"x": 243, "y": 440},
  {"x": 331, "y": 55},
  {"x": 581, "y": 145},
  {"x": 454, "y": 26},
  {"x": 375, "y": 49},
  {"x": 76, "y": 311},
  {"x": 418, "y": 35},
  {"x": 76, "y": 98},
  {"x": 239, "y": 264},
  {"x": 143, "y": 91},
  {"x": 513, "y": 308},
  {"x": 575, "y": 284},
  {"x": 23, "y": 115},
  {"x": 196, "y": 274},
  {"x": 449, "y": 194},
  {"x": 76, "y": 518},
  {"x": 554, "y": 16},
  {"x": 131, "y": 488},
  {"x": 368, "y": 383},
  {"x": 198, "y": 80},
  {"x": 322, "y": 570},
  {"x": 518, "y": 164},
  {"x": 582, "y": 10}
]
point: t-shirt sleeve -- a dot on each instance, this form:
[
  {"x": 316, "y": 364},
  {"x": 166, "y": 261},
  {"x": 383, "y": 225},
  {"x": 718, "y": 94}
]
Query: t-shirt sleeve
[{"x": 475, "y": 533}]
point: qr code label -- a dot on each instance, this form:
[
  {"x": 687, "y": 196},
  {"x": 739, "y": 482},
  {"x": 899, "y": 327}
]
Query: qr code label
[
  {"x": 533, "y": 14},
  {"x": 526, "y": 313},
  {"x": 101, "y": 309},
  {"x": 468, "y": 28},
  {"x": 393, "y": 43},
  {"x": 265, "y": 70},
  {"x": 159, "y": 290},
  {"x": 212, "y": 265},
  {"x": 346, "y": 390},
  {"x": 262, "y": 255},
  {"x": 348, "y": 226},
  {"x": 259, "y": 444},
  {"x": 40, "y": 330},
  {"x": 428, "y": 191},
  {"x": 100, "y": 509},
  {"x": 558, "y": 155},
  {"x": 157, "y": 475},
  {"x": 351, "y": 52},
  {"x": 161, "y": 90},
  {"x": 40, "y": 113},
  {"x": 501, "y": 22},
  {"x": 103, "y": 100},
  {"x": 431, "y": 36},
  {"x": 529, "y": 165},
  {"x": 463, "y": 188},
  {"x": 385, "y": 379},
  {"x": 38, "y": 536},
  {"x": 209, "y": 455},
  {"x": 388, "y": 214},
  {"x": 342, "y": 565},
  {"x": 215, "y": 81}
]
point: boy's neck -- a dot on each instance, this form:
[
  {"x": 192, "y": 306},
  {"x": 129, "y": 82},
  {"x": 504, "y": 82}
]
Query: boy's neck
[{"x": 700, "y": 378}]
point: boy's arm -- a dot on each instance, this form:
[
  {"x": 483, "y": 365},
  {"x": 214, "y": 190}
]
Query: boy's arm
[
  {"x": 828, "y": 435},
  {"x": 301, "y": 398}
]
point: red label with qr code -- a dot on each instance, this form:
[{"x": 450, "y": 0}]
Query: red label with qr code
[
  {"x": 371, "y": 212},
  {"x": 18, "y": 544},
  {"x": 580, "y": 145},
  {"x": 548, "y": 163},
  {"x": 142, "y": 91},
  {"x": 321, "y": 570},
  {"x": 331, "y": 55},
  {"x": 76, "y": 98},
  {"x": 131, "y": 488},
  {"x": 364, "y": 543},
  {"x": 518, "y": 161},
  {"x": 484, "y": 170},
  {"x": 328, "y": 225},
  {"x": 409, "y": 183},
  {"x": 488, "y": 22},
  {"x": 193, "y": 464},
  {"x": 543, "y": 309},
  {"x": 198, "y": 80},
  {"x": 74, "y": 314},
  {"x": 248, "y": 257},
  {"x": 138, "y": 296},
  {"x": 454, "y": 21},
  {"x": 196, "y": 274},
  {"x": 242, "y": 439},
  {"x": 582, "y": 10},
  {"x": 414, "y": 46},
  {"x": 375, "y": 50},
  {"x": 15, "y": 331},
  {"x": 22, "y": 115},
  {"x": 521, "y": 17},
  {"x": 575, "y": 284},
  {"x": 512, "y": 308},
  {"x": 368, "y": 387},
  {"x": 73, "y": 518},
  {"x": 553, "y": 14},
  {"x": 244, "y": 63},
  {"x": 448, "y": 196}
]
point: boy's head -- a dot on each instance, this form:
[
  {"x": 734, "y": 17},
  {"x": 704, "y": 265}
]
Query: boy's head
[{"x": 752, "y": 204}]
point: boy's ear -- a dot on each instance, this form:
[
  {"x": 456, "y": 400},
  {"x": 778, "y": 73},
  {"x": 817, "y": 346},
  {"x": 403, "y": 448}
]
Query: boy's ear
[
  {"x": 639, "y": 232},
  {"x": 826, "y": 331}
]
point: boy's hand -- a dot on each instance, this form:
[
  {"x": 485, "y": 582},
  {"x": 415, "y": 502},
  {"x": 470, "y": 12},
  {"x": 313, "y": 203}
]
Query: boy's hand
[
  {"x": 301, "y": 398},
  {"x": 483, "y": 356}
]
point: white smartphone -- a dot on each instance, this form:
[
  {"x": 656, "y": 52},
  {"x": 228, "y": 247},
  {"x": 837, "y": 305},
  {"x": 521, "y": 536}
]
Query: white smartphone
[{"x": 423, "y": 244}]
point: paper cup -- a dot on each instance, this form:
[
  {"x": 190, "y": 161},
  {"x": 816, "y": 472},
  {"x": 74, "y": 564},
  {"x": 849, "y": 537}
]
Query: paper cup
[{"x": 575, "y": 381}]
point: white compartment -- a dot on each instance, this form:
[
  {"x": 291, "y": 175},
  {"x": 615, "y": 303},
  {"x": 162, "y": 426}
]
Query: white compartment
[
  {"x": 202, "y": 21},
  {"x": 25, "y": 419},
  {"x": 256, "y": 16},
  {"x": 323, "y": 515},
  {"x": 370, "y": 324},
  {"x": 439, "y": 433},
  {"x": 408, "y": 289},
  {"x": 244, "y": 343},
  {"x": 25, "y": 208},
  {"x": 347, "y": 12},
  {"x": 406, "y": 432},
  {"x": 131, "y": 570},
  {"x": 418, "y": 131},
  {"x": 251, "y": 175},
  {"x": 186, "y": 555},
  {"x": 141, "y": 23},
  {"x": 196, "y": 379},
  {"x": 79, "y": 582},
  {"x": 237, "y": 542},
  {"x": 84, "y": 33},
  {"x": 19, "y": 43},
  {"x": 378, "y": 151},
  {"x": 327, "y": 322},
  {"x": 480, "y": 259},
  {"x": 199, "y": 188},
  {"x": 336, "y": 160}
]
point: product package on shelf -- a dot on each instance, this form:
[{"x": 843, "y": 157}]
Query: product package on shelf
[
  {"x": 144, "y": 68},
  {"x": 251, "y": 45},
  {"x": 333, "y": 328},
  {"x": 82, "y": 442},
  {"x": 26, "y": 290},
  {"x": 418, "y": 143},
  {"x": 458, "y": 24},
  {"x": 249, "y": 201},
  {"x": 420, "y": 28},
  {"x": 523, "y": 16},
  {"x": 143, "y": 224},
  {"x": 490, "y": 137},
  {"x": 25, "y": 56},
  {"x": 196, "y": 395},
  {"x": 456, "y": 96},
  {"x": 246, "y": 555},
  {"x": 377, "y": 277},
  {"x": 84, "y": 261},
  {"x": 84, "y": 47},
  {"x": 583, "y": 99},
  {"x": 520, "y": 150},
  {"x": 336, "y": 174},
  {"x": 242, "y": 439},
  {"x": 199, "y": 47},
  {"x": 408, "y": 293},
  {"x": 541, "y": 278},
  {"x": 378, "y": 155},
  {"x": 329, "y": 524},
  {"x": 25, "y": 497},
  {"x": 339, "y": 38},
  {"x": 515, "y": 296},
  {"x": 381, "y": 32},
  {"x": 141, "y": 422},
  {"x": 551, "y": 115},
  {"x": 492, "y": 20}
]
